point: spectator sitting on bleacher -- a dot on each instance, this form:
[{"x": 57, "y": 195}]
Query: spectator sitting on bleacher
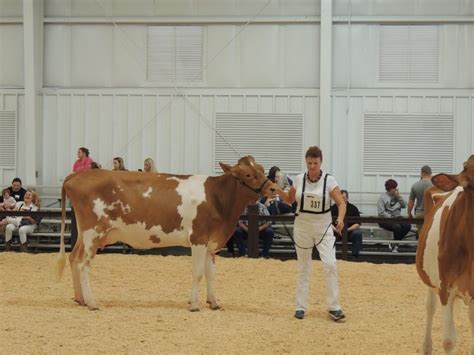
[
  {"x": 275, "y": 205},
  {"x": 354, "y": 234},
  {"x": 149, "y": 166},
  {"x": 16, "y": 190},
  {"x": 25, "y": 224},
  {"x": 83, "y": 161},
  {"x": 265, "y": 232},
  {"x": 119, "y": 164},
  {"x": 390, "y": 204},
  {"x": 8, "y": 203}
]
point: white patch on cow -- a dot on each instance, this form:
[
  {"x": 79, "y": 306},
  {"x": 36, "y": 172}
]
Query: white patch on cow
[
  {"x": 139, "y": 237},
  {"x": 147, "y": 194},
  {"x": 114, "y": 205},
  {"x": 99, "y": 208},
  {"x": 212, "y": 247},
  {"x": 430, "y": 256},
  {"x": 192, "y": 195},
  {"x": 191, "y": 191},
  {"x": 113, "y": 191}
]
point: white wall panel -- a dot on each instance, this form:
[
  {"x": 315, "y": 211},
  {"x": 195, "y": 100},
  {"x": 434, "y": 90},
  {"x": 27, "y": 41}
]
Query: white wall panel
[
  {"x": 66, "y": 151},
  {"x": 105, "y": 148},
  {"x": 415, "y": 104},
  {"x": 267, "y": 104},
  {"x": 91, "y": 55},
  {"x": 300, "y": 50},
  {"x": 259, "y": 41},
  {"x": 163, "y": 134},
  {"x": 11, "y": 58},
  {"x": 170, "y": 7},
  {"x": 401, "y": 104},
  {"x": 11, "y": 8},
  {"x": 149, "y": 140},
  {"x": 57, "y": 49},
  {"x": 224, "y": 70},
  {"x": 463, "y": 139},
  {"x": 129, "y": 55},
  {"x": 252, "y": 104}
]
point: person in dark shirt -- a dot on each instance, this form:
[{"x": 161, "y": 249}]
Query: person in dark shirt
[
  {"x": 354, "y": 234},
  {"x": 16, "y": 190}
]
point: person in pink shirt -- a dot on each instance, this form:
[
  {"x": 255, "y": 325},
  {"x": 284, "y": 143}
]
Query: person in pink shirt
[{"x": 84, "y": 161}]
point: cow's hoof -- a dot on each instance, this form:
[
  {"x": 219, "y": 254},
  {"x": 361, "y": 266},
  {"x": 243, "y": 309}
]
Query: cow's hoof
[
  {"x": 194, "y": 309},
  {"x": 79, "y": 302},
  {"x": 93, "y": 308},
  {"x": 214, "y": 306}
]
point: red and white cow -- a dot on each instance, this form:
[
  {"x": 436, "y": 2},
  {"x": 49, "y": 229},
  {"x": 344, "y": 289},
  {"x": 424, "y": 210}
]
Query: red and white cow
[
  {"x": 148, "y": 210},
  {"x": 445, "y": 255}
]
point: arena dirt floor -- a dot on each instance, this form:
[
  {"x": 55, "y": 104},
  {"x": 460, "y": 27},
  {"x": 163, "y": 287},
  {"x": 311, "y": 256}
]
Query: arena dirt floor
[{"x": 143, "y": 309}]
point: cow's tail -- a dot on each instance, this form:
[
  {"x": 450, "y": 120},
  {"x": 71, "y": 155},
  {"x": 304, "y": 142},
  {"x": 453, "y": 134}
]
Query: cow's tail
[{"x": 61, "y": 262}]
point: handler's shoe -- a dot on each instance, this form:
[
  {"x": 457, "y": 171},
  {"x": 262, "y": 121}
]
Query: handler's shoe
[
  {"x": 299, "y": 314},
  {"x": 337, "y": 315}
]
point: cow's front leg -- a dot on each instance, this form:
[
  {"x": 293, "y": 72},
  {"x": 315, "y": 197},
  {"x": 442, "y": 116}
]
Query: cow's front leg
[
  {"x": 199, "y": 260},
  {"x": 210, "y": 272},
  {"x": 427, "y": 347},
  {"x": 449, "y": 332}
]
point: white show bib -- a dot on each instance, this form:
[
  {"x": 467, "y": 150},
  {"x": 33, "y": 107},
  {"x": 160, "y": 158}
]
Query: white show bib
[{"x": 312, "y": 202}]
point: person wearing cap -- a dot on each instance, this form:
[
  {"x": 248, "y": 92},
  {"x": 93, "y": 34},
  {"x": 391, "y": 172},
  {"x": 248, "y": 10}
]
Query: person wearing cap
[
  {"x": 416, "y": 194},
  {"x": 390, "y": 205}
]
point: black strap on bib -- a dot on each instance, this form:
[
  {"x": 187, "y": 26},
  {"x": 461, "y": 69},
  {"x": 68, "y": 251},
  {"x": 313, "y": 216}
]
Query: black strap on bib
[{"x": 324, "y": 197}]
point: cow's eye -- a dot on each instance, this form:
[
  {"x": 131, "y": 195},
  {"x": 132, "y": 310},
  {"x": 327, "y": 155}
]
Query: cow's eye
[{"x": 248, "y": 176}]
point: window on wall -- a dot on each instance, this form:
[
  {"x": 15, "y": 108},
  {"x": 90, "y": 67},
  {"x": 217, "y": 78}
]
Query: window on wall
[
  {"x": 174, "y": 53},
  {"x": 271, "y": 138},
  {"x": 409, "y": 53},
  {"x": 8, "y": 139},
  {"x": 403, "y": 143}
]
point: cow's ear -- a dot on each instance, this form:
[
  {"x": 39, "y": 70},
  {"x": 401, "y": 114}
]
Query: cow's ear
[
  {"x": 225, "y": 167},
  {"x": 445, "y": 182}
]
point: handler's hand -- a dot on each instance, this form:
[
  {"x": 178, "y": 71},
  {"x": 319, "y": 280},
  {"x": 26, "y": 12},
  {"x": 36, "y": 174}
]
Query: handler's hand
[{"x": 339, "y": 226}]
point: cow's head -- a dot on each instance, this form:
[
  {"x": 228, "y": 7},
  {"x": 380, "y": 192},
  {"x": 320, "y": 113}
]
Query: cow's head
[
  {"x": 465, "y": 178},
  {"x": 251, "y": 175}
]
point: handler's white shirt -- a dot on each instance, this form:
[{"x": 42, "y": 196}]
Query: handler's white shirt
[{"x": 317, "y": 189}]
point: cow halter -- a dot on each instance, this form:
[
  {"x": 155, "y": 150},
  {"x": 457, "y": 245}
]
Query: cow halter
[{"x": 258, "y": 191}]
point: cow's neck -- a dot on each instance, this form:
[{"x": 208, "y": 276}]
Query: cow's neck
[{"x": 240, "y": 196}]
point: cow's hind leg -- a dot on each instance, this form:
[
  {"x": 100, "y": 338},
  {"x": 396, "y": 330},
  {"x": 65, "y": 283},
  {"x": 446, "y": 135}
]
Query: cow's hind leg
[
  {"x": 199, "y": 259},
  {"x": 74, "y": 257},
  {"x": 431, "y": 300},
  {"x": 449, "y": 332},
  {"x": 210, "y": 272},
  {"x": 91, "y": 242}
]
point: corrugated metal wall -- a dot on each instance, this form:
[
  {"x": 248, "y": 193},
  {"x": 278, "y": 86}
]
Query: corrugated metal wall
[{"x": 96, "y": 93}]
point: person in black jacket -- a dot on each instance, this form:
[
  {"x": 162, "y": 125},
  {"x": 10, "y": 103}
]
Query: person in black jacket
[{"x": 354, "y": 234}]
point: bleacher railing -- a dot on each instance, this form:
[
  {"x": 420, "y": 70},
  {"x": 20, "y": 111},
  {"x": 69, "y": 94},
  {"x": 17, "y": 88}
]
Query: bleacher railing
[{"x": 253, "y": 218}]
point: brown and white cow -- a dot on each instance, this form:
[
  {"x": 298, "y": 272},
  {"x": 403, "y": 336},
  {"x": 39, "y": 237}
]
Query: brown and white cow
[
  {"x": 148, "y": 210},
  {"x": 445, "y": 255}
]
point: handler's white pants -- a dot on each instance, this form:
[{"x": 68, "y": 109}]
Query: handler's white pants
[
  {"x": 306, "y": 235},
  {"x": 23, "y": 231}
]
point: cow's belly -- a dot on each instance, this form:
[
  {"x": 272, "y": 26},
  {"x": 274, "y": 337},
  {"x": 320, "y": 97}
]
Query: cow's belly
[{"x": 138, "y": 237}]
